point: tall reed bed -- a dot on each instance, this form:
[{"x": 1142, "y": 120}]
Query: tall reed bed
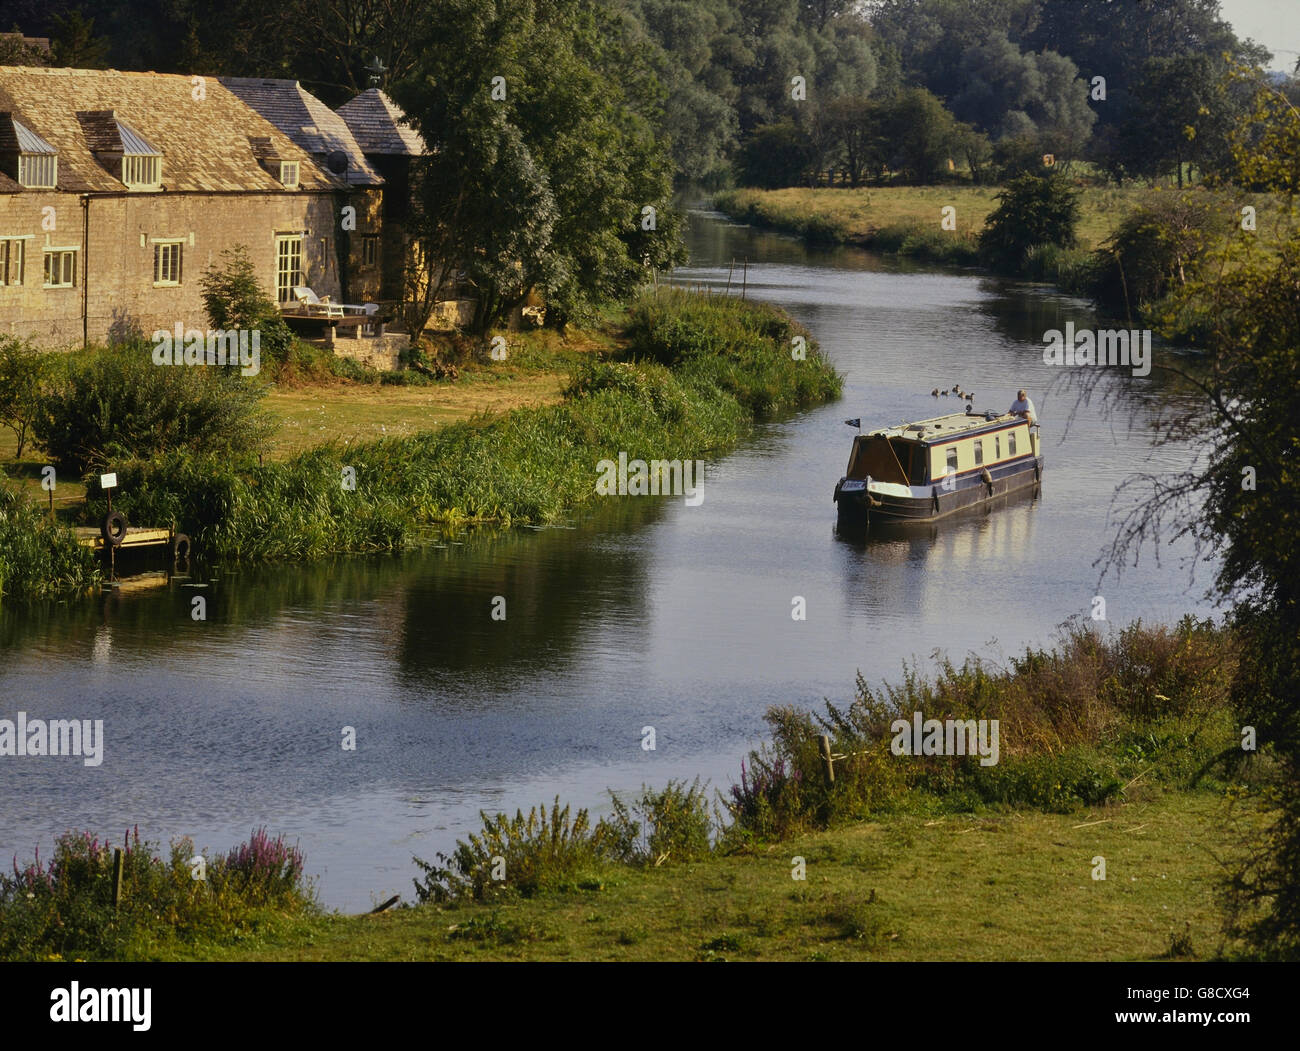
[
  {"x": 39, "y": 558},
  {"x": 697, "y": 373}
]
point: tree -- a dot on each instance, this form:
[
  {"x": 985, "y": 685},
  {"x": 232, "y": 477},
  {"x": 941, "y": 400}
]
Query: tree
[
  {"x": 545, "y": 173},
  {"x": 921, "y": 134},
  {"x": 235, "y": 300},
  {"x": 1033, "y": 210},
  {"x": 774, "y": 156},
  {"x": 24, "y": 371},
  {"x": 857, "y": 124}
]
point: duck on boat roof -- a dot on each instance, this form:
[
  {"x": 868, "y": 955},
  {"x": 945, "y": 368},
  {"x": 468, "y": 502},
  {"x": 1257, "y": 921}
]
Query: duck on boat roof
[{"x": 929, "y": 469}]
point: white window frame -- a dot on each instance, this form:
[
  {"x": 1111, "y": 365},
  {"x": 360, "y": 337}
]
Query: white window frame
[
  {"x": 12, "y": 248},
  {"x": 72, "y": 251},
  {"x": 288, "y": 249},
  {"x": 160, "y": 251},
  {"x": 46, "y": 169},
  {"x": 1011, "y": 443},
  {"x": 286, "y": 168},
  {"x": 135, "y": 168}
]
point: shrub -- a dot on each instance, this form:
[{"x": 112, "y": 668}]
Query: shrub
[
  {"x": 64, "y": 907},
  {"x": 39, "y": 558},
  {"x": 117, "y": 404},
  {"x": 519, "y": 856},
  {"x": 24, "y": 374},
  {"x": 1033, "y": 210},
  {"x": 670, "y": 825},
  {"x": 234, "y": 299}
]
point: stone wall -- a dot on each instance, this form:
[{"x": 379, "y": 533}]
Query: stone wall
[{"x": 117, "y": 269}]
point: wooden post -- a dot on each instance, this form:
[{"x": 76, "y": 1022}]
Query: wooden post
[
  {"x": 824, "y": 746},
  {"x": 117, "y": 876}
]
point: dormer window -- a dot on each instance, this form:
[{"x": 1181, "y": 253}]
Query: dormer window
[
  {"x": 142, "y": 171},
  {"x": 289, "y": 174},
  {"x": 38, "y": 162},
  {"x": 38, "y": 171},
  {"x": 123, "y": 152}
]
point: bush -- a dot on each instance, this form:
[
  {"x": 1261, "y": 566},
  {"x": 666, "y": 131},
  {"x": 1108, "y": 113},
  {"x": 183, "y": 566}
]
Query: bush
[
  {"x": 64, "y": 908},
  {"x": 671, "y": 825},
  {"x": 24, "y": 373},
  {"x": 520, "y": 856},
  {"x": 234, "y": 300},
  {"x": 39, "y": 558},
  {"x": 117, "y": 404},
  {"x": 1033, "y": 210}
]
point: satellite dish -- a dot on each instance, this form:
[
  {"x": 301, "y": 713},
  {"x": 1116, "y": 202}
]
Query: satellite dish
[{"x": 337, "y": 162}]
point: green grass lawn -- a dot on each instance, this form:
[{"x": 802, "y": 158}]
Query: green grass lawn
[{"x": 1013, "y": 887}]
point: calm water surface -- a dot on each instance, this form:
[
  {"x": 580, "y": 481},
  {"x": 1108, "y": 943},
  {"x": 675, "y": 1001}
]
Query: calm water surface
[{"x": 645, "y": 614}]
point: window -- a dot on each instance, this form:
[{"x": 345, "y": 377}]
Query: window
[
  {"x": 289, "y": 174},
  {"x": 997, "y": 447},
  {"x": 952, "y": 459},
  {"x": 167, "y": 263},
  {"x": 38, "y": 170},
  {"x": 288, "y": 266},
  {"x": 979, "y": 451},
  {"x": 369, "y": 250},
  {"x": 11, "y": 261},
  {"x": 1011, "y": 443},
  {"x": 60, "y": 267},
  {"x": 141, "y": 172}
]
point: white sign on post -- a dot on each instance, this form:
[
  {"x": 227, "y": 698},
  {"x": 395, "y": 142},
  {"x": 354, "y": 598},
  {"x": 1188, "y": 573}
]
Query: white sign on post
[{"x": 108, "y": 481}]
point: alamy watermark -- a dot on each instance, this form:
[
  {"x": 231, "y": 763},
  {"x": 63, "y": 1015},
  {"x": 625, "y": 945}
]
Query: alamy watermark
[
  {"x": 194, "y": 346},
  {"x": 924, "y": 736},
  {"x": 1101, "y": 347},
  {"x": 651, "y": 478},
  {"x": 36, "y": 737}
]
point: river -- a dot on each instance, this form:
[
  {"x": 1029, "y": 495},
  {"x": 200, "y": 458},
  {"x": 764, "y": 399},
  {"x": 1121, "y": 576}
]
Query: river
[{"x": 646, "y": 614}]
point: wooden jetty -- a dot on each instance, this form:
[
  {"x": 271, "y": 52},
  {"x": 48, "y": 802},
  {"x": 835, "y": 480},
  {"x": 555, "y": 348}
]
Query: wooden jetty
[{"x": 136, "y": 536}]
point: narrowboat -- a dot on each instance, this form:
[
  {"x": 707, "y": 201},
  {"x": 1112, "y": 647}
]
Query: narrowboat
[{"x": 924, "y": 471}]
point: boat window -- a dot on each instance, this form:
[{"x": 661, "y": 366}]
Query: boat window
[
  {"x": 952, "y": 459},
  {"x": 1011, "y": 443},
  {"x": 997, "y": 447},
  {"x": 875, "y": 457},
  {"x": 979, "y": 451}
]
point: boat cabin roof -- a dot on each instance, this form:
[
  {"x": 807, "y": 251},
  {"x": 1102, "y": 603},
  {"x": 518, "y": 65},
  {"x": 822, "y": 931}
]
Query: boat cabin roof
[{"x": 941, "y": 429}]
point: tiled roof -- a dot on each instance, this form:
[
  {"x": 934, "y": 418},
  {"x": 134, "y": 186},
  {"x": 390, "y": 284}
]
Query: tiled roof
[
  {"x": 205, "y": 143},
  {"x": 379, "y": 125},
  {"x": 308, "y": 122}
]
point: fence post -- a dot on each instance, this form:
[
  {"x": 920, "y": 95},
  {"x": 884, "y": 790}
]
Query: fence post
[{"x": 824, "y": 746}]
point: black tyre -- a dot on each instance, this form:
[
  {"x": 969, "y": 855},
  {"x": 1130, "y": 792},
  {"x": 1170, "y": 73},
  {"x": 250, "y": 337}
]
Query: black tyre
[
  {"x": 113, "y": 529},
  {"x": 181, "y": 547}
]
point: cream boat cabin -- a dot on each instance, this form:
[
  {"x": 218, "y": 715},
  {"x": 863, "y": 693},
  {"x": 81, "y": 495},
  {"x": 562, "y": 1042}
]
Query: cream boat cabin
[{"x": 919, "y": 472}]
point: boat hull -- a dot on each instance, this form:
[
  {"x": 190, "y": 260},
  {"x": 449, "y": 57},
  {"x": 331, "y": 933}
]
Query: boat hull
[{"x": 859, "y": 507}]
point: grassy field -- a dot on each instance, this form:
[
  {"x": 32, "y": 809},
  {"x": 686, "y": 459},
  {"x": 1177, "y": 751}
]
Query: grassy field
[
  {"x": 1013, "y": 887},
  {"x": 859, "y": 216}
]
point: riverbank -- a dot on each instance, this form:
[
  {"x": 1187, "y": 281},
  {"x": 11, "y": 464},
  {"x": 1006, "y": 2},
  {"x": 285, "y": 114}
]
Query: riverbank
[
  {"x": 1118, "y": 801},
  {"x": 958, "y": 887},
  {"x": 687, "y": 380}
]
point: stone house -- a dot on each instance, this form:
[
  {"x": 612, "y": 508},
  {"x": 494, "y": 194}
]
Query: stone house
[{"x": 118, "y": 189}]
